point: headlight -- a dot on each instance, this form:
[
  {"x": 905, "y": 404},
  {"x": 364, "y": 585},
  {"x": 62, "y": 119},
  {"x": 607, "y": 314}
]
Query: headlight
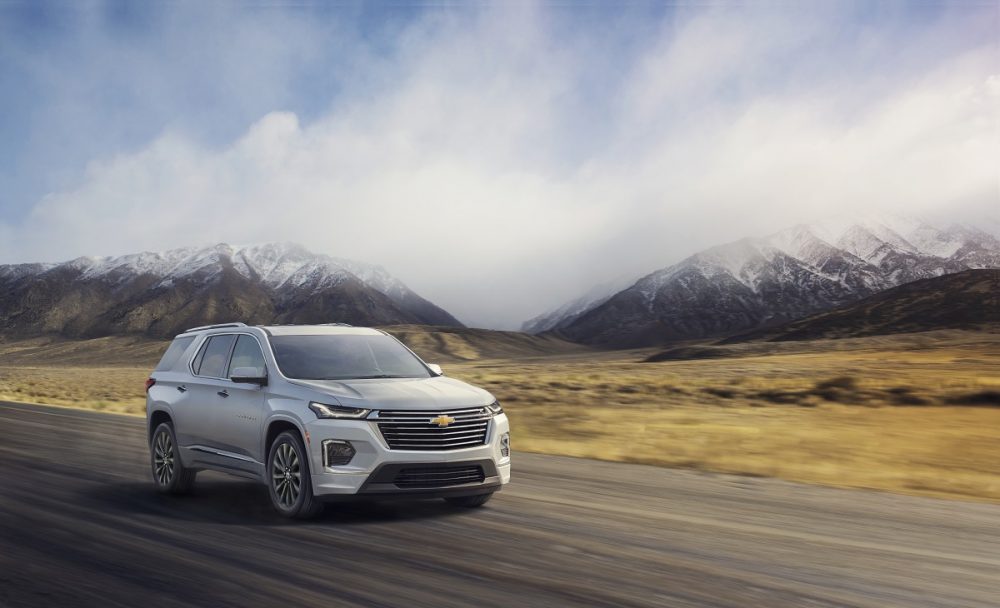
[
  {"x": 337, "y": 411},
  {"x": 494, "y": 408}
]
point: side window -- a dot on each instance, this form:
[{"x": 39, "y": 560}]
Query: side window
[
  {"x": 174, "y": 352},
  {"x": 246, "y": 354},
  {"x": 213, "y": 357},
  {"x": 196, "y": 364}
]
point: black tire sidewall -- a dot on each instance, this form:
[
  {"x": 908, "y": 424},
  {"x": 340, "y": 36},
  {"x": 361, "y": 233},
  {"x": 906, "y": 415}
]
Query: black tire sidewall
[
  {"x": 178, "y": 467},
  {"x": 305, "y": 493}
]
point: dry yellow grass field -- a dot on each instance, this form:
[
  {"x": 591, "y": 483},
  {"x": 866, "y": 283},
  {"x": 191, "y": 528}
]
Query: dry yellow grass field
[{"x": 918, "y": 413}]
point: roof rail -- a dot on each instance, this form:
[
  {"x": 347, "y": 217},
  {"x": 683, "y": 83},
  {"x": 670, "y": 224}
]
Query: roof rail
[
  {"x": 337, "y": 324},
  {"x": 216, "y": 326}
]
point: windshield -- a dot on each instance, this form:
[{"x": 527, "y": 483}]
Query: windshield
[{"x": 345, "y": 357}]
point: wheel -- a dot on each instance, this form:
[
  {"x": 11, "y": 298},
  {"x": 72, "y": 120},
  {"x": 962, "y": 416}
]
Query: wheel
[
  {"x": 289, "y": 482},
  {"x": 469, "y": 502},
  {"x": 169, "y": 475}
]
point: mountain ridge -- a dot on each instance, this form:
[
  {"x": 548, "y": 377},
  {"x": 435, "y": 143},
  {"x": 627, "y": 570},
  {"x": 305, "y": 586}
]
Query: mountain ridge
[
  {"x": 762, "y": 281},
  {"x": 161, "y": 293},
  {"x": 967, "y": 300}
]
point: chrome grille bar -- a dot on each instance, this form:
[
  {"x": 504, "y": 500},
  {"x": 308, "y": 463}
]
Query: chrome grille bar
[{"x": 417, "y": 430}]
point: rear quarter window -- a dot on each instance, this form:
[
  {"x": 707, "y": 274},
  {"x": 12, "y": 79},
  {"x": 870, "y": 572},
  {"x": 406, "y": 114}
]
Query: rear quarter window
[{"x": 174, "y": 352}]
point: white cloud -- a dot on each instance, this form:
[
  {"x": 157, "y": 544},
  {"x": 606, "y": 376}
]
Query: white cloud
[{"x": 457, "y": 168}]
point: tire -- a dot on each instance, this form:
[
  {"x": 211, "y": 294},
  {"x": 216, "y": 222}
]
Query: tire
[
  {"x": 469, "y": 502},
  {"x": 169, "y": 474},
  {"x": 289, "y": 482}
]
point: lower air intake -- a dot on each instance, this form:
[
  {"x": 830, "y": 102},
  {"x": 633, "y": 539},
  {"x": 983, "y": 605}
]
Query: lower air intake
[{"x": 438, "y": 477}]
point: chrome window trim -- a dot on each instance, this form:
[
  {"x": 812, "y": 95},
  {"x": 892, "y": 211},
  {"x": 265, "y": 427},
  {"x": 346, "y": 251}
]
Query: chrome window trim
[{"x": 229, "y": 356}]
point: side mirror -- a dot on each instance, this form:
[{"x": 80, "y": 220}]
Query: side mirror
[
  {"x": 435, "y": 369},
  {"x": 249, "y": 375}
]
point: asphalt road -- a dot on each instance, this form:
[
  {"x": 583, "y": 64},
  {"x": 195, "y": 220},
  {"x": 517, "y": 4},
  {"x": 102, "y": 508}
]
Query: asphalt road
[{"x": 81, "y": 525}]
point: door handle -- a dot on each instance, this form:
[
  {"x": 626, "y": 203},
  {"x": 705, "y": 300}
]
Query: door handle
[
  {"x": 182, "y": 388},
  {"x": 223, "y": 393}
]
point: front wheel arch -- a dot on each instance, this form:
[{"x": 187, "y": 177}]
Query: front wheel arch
[{"x": 278, "y": 426}]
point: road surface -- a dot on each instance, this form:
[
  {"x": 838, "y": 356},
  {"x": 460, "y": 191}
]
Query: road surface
[{"x": 80, "y": 525}]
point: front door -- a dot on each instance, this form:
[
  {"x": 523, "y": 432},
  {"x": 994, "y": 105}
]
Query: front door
[{"x": 240, "y": 407}]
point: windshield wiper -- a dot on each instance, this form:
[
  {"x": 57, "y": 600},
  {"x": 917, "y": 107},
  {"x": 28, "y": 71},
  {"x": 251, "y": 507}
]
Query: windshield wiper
[{"x": 377, "y": 376}]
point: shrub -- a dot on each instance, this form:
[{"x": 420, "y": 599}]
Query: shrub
[
  {"x": 982, "y": 398},
  {"x": 724, "y": 393}
]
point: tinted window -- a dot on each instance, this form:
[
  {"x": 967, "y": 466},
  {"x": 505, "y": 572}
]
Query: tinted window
[
  {"x": 196, "y": 364},
  {"x": 246, "y": 354},
  {"x": 174, "y": 352},
  {"x": 214, "y": 355},
  {"x": 345, "y": 357}
]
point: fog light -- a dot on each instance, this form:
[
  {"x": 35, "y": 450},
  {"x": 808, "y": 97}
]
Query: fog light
[
  {"x": 505, "y": 445},
  {"x": 337, "y": 452}
]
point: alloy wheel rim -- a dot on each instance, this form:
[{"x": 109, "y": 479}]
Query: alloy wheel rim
[
  {"x": 163, "y": 458},
  {"x": 286, "y": 475}
]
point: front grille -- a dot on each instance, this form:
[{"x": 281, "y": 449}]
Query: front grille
[
  {"x": 438, "y": 477},
  {"x": 409, "y": 430}
]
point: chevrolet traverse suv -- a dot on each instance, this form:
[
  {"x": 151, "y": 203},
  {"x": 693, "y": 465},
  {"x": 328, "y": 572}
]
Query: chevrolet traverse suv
[{"x": 321, "y": 412}]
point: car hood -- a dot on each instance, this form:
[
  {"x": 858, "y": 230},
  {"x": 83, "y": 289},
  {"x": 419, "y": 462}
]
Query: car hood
[{"x": 401, "y": 393}]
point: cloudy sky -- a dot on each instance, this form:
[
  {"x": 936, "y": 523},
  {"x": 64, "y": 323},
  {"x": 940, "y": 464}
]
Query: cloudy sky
[{"x": 499, "y": 158}]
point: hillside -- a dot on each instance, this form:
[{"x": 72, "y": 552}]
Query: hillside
[
  {"x": 161, "y": 294},
  {"x": 446, "y": 344},
  {"x": 433, "y": 344},
  {"x": 967, "y": 300}
]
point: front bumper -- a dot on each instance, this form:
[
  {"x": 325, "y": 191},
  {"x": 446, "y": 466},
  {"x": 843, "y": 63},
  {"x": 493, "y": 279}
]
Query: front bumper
[{"x": 374, "y": 469}]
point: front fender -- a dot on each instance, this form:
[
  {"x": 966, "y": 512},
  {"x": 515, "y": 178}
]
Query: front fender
[{"x": 280, "y": 416}]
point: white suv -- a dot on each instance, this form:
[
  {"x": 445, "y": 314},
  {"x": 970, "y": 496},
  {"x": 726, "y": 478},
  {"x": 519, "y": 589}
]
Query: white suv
[{"x": 321, "y": 412}]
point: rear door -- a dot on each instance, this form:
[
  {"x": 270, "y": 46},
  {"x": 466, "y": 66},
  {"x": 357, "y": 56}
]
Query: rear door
[{"x": 197, "y": 421}]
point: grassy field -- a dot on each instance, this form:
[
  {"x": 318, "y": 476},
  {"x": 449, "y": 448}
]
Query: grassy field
[{"x": 917, "y": 413}]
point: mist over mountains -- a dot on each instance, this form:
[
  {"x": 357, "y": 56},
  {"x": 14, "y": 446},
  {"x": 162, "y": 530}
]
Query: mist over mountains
[
  {"x": 758, "y": 282},
  {"x": 160, "y": 294},
  {"x": 570, "y": 311},
  {"x": 724, "y": 290}
]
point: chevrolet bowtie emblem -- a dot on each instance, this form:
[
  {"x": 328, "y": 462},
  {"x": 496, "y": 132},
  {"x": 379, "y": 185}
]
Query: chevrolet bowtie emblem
[{"x": 443, "y": 420}]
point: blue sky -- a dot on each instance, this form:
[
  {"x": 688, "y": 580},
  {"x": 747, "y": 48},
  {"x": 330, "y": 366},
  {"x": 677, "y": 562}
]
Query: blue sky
[
  {"x": 90, "y": 80},
  {"x": 555, "y": 145}
]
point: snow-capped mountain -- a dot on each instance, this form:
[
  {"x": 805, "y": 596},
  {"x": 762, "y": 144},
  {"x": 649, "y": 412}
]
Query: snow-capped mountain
[
  {"x": 162, "y": 293},
  {"x": 567, "y": 313},
  {"x": 762, "y": 281}
]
